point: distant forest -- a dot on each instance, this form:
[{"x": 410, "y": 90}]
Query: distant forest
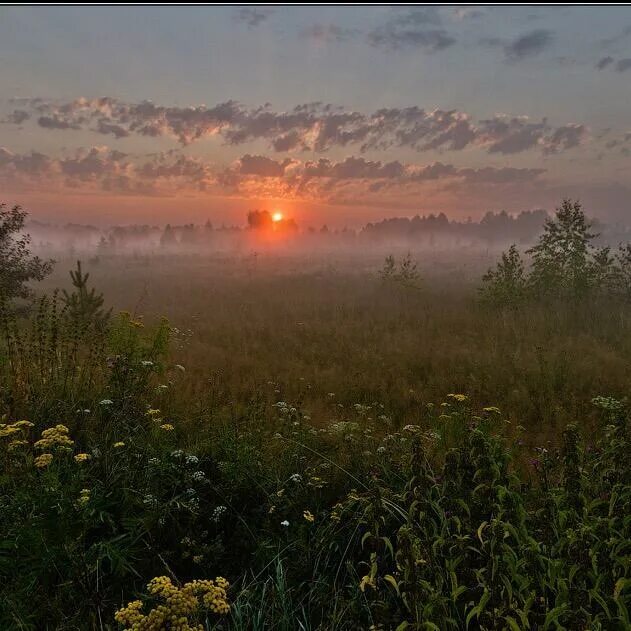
[{"x": 494, "y": 230}]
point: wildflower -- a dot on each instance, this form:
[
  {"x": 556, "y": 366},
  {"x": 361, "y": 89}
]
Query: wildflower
[
  {"x": 23, "y": 424},
  {"x": 284, "y": 523},
  {"x": 177, "y": 453},
  {"x": 198, "y": 476},
  {"x": 192, "y": 459},
  {"x": 106, "y": 402},
  {"x": 82, "y": 457},
  {"x": 461, "y": 398},
  {"x": 16, "y": 444},
  {"x": 308, "y": 516},
  {"x": 41, "y": 462},
  {"x": 84, "y": 497},
  {"x": 296, "y": 477},
  {"x": 119, "y": 444},
  {"x": 153, "y": 461},
  {"x": 146, "y": 363},
  {"x": 219, "y": 512},
  {"x": 167, "y": 427},
  {"x": 180, "y": 367},
  {"x": 491, "y": 410},
  {"x": 150, "y": 500},
  {"x": 152, "y": 412},
  {"x": 411, "y": 428},
  {"x": 54, "y": 437}
]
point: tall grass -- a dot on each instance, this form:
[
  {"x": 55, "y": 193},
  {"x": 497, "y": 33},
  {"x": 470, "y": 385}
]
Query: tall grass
[{"x": 328, "y": 443}]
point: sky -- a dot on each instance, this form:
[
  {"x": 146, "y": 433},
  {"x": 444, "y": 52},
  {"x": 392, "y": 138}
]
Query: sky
[{"x": 329, "y": 114}]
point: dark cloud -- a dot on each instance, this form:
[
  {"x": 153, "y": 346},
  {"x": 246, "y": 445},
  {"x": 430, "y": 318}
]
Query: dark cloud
[
  {"x": 416, "y": 29},
  {"x": 17, "y": 117},
  {"x": 262, "y": 166},
  {"x": 604, "y": 62},
  {"x": 253, "y": 16},
  {"x": 622, "y": 65},
  {"x": 524, "y": 46},
  {"x": 55, "y": 122}
]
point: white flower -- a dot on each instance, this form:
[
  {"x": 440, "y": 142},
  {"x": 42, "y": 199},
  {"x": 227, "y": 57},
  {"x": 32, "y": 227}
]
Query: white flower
[
  {"x": 218, "y": 513},
  {"x": 198, "y": 476},
  {"x": 146, "y": 362},
  {"x": 180, "y": 367},
  {"x": 154, "y": 461},
  {"x": 192, "y": 459},
  {"x": 106, "y": 402},
  {"x": 296, "y": 477},
  {"x": 178, "y": 453},
  {"x": 284, "y": 523}
]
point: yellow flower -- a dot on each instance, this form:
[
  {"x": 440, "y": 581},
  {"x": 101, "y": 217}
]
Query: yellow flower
[
  {"x": 41, "y": 462},
  {"x": 84, "y": 497},
  {"x": 308, "y": 516},
  {"x": 167, "y": 427},
  {"x": 179, "y": 603},
  {"x": 119, "y": 444},
  {"x": 54, "y": 437},
  {"x": 458, "y": 397},
  {"x": 15, "y": 444},
  {"x": 491, "y": 410},
  {"x": 82, "y": 457}
]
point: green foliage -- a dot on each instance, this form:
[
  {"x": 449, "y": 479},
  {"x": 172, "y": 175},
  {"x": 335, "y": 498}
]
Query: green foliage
[
  {"x": 85, "y": 306},
  {"x": 562, "y": 259},
  {"x": 17, "y": 266},
  {"x": 404, "y": 274},
  {"x": 565, "y": 265},
  {"x": 506, "y": 284}
]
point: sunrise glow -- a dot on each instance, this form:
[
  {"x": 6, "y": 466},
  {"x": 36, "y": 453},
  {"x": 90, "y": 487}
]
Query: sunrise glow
[{"x": 277, "y": 216}]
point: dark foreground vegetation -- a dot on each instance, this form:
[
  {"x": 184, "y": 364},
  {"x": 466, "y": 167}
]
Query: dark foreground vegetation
[{"x": 328, "y": 450}]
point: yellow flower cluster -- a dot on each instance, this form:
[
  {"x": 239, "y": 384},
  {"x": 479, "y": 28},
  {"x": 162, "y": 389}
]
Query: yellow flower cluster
[
  {"x": 55, "y": 437},
  {"x": 41, "y": 462},
  {"x": 167, "y": 427},
  {"x": 308, "y": 515},
  {"x": 119, "y": 444},
  {"x": 11, "y": 429},
  {"x": 84, "y": 497},
  {"x": 461, "y": 398},
  {"x": 179, "y": 604},
  {"x": 82, "y": 457}
]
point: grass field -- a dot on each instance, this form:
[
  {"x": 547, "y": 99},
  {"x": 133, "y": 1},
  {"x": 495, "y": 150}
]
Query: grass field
[{"x": 348, "y": 452}]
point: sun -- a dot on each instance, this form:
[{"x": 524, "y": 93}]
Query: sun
[{"x": 277, "y": 216}]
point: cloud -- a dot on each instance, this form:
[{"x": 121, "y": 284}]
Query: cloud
[
  {"x": 416, "y": 29},
  {"x": 17, "y": 117},
  {"x": 55, "y": 122},
  {"x": 317, "y": 127},
  {"x": 524, "y": 46},
  {"x": 604, "y": 62},
  {"x": 621, "y": 65},
  {"x": 263, "y": 166},
  {"x": 253, "y": 16},
  {"x": 329, "y": 33}
]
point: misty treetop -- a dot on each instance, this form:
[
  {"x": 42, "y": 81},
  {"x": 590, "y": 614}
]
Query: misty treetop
[{"x": 565, "y": 263}]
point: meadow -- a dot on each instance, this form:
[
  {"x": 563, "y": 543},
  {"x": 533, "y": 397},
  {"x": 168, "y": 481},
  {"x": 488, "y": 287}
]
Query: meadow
[{"x": 307, "y": 442}]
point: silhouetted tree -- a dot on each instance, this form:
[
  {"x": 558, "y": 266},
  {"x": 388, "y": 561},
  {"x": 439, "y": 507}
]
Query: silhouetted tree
[{"x": 17, "y": 266}]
